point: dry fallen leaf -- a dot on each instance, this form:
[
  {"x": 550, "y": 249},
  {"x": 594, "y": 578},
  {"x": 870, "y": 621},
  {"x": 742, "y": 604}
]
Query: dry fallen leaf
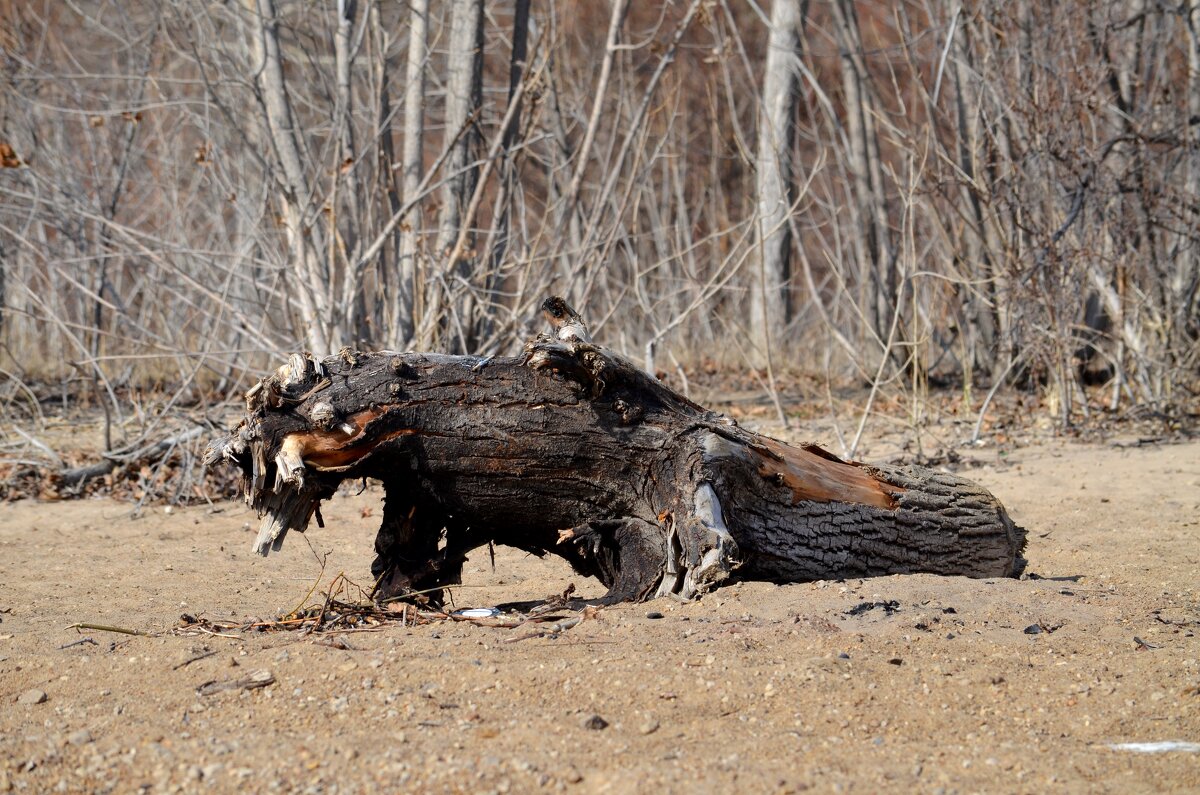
[{"x": 8, "y": 157}]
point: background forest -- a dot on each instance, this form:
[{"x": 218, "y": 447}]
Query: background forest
[{"x": 971, "y": 194}]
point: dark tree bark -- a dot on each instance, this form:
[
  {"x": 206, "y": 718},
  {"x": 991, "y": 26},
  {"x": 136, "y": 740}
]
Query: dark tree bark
[{"x": 573, "y": 450}]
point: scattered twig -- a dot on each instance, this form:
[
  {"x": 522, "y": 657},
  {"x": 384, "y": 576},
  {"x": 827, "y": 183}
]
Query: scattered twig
[
  {"x": 410, "y": 594},
  {"x": 321, "y": 559},
  {"x": 216, "y": 634},
  {"x": 252, "y": 682},
  {"x": 79, "y": 642},
  {"x": 553, "y": 629},
  {"x": 555, "y": 602},
  {"x": 559, "y": 626},
  {"x": 191, "y": 660},
  {"x": 53, "y": 457},
  {"x": 105, "y": 628}
]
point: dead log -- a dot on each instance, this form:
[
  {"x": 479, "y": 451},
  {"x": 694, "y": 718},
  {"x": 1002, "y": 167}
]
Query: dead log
[
  {"x": 74, "y": 479},
  {"x": 575, "y": 451}
]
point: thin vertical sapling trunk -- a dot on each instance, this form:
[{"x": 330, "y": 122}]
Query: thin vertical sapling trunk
[
  {"x": 412, "y": 161},
  {"x": 464, "y": 101},
  {"x": 773, "y": 177}
]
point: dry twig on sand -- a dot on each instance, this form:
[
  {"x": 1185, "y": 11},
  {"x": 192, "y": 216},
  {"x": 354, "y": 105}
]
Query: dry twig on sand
[{"x": 345, "y": 607}]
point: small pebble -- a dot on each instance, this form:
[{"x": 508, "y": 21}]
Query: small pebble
[
  {"x": 654, "y": 614},
  {"x": 32, "y": 697},
  {"x": 595, "y": 722},
  {"x": 81, "y": 737},
  {"x": 649, "y": 727}
]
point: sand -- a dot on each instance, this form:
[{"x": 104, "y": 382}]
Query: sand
[{"x": 1022, "y": 685}]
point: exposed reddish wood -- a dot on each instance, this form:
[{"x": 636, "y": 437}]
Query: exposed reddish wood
[
  {"x": 335, "y": 449},
  {"x": 816, "y": 475}
]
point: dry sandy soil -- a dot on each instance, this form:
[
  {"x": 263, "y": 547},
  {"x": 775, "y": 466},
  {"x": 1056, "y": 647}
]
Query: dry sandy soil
[{"x": 755, "y": 688}]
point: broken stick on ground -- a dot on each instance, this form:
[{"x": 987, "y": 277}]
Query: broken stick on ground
[{"x": 573, "y": 450}]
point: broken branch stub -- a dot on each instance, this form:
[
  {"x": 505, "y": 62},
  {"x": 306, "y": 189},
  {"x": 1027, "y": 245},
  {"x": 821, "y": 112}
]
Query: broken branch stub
[{"x": 574, "y": 451}]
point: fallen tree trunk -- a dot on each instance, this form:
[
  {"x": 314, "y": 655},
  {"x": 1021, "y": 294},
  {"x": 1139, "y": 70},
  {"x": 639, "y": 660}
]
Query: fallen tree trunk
[
  {"x": 73, "y": 479},
  {"x": 572, "y": 450}
]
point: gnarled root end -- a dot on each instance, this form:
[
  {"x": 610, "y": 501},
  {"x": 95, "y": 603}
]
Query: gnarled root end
[
  {"x": 625, "y": 554},
  {"x": 640, "y": 560}
]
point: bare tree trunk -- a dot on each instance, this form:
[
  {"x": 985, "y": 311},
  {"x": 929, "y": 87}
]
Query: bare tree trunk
[
  {"x": 311, "y": 277},
  {"x": 343, "y": 230},
  {"x": 981, "y": 326},
  {"x": 865, "y": 165},
  {"x": 1002, "y": 292},
  {"x": 4, "y": 266},
  {"x": 632, "y": 482},
  {"x": 769, "y": 305},
  {"x": 499, "y": 235},
  {"x": 1187, "y": 276},
  {"x": 411, "y": 165},
  {"x": 518, "y": 63},
  {"x": 464, "y": 100},
  {"x": 617, "y": 19},
  {"x": 569, "y": 222},
  {"x": 383, "y": 313}
]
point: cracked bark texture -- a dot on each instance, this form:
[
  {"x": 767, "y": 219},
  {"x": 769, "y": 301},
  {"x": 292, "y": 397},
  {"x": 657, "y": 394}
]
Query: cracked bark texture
[{"x": 574, "y": 451}]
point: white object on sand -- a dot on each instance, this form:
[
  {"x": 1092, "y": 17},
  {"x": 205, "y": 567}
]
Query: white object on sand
[{"x": 1157, "y": 748}]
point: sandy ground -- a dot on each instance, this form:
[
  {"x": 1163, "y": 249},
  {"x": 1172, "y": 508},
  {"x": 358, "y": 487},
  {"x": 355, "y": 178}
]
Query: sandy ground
[{"x": 756, "y": 688}]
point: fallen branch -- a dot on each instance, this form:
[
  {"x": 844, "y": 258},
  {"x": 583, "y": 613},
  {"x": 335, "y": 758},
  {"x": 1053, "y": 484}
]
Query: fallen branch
[
  {"x": 76, "y": 477},
  {"x": 80, "y": 642},
  {"x": 197, "y": 658},
  {"x": 252, "y": 682},
  {"x": 106, "y": 628}
]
